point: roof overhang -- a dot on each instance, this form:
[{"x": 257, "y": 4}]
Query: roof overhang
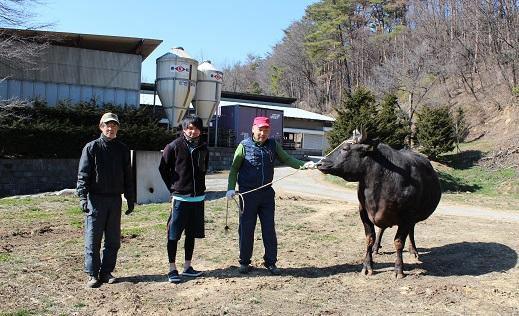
[
  {"x": 116, "y": 44},
  {"x": 233, "y": 96}
]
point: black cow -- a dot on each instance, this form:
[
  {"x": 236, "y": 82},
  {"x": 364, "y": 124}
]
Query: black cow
[{"x": 395, "y": 188}]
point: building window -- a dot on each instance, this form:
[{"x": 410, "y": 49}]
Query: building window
[{"x": 292, "y": 140}]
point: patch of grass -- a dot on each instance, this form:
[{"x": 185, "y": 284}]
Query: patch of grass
[
  {"x": 328, "y": 237},
  {"x": 218, "y": 209},
  {"x": 306, "y": 210},
  {"x": 340, "y": 181},
  {"x": 76, "y": 223},
  {"x": 154, "y": 208},
  {"x": 16, "y": 202},
  {"x": 297, "y": 227},
  {"x": 36, "y": 213},
  {"x": 479, "y": 180},
  {"x": 132, "y": 232},
  {"x": 74, "y": 211},
  {"x": 159, "y": 227},
  {"x": 5, "y": 257},
  {"x": 20, "y": 312}
]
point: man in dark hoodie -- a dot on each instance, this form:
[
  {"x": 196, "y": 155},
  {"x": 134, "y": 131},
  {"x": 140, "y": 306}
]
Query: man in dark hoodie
[
  {"x": 183, "y": 167},
  {"x": 104, "y": 174}
]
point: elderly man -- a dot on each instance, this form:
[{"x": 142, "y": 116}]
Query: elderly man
[
  {"x": 104, "y": 174},
  {"x": 253, "y": 167}
]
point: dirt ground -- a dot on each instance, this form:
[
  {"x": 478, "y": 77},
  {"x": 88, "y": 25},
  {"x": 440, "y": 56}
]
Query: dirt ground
[{"x": 468, "y": 266}]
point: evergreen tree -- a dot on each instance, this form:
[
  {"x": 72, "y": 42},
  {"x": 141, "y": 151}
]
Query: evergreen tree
[
  {"x": 358, "y": 111},
  {"x": 384, "y": 122},
  {"x": 435, "y": 131},
  {"x": 391, "y": 124}
]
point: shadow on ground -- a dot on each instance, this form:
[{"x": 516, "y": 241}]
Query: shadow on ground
[
  {"x": 304, "y": 272},
  {"x": 460, "y": 259},
  {"x": 146, "y": 278},
  {"x": 461, "y": 160},
  {"x": 468, "y": 258},
  {"x": 450, "y": 183},
  {"x": 214, "y": 195}
]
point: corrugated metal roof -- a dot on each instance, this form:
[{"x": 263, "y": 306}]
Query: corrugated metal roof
[
  {"x": 287, "y": 112},
  {"x": 118, "y": 44}
]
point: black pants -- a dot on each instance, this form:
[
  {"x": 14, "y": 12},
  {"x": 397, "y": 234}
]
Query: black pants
[
  {"x": 258, "y": 204},
  {"x": 103, "y": 218}
]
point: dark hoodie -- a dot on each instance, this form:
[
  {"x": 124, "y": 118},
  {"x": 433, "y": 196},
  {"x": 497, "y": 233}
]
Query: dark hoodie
[{"x": 183, "y": 166}]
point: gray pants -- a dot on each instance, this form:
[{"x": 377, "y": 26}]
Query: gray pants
[{"x": 103, "y": 218}]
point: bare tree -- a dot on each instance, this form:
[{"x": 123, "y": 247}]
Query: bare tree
[{"x": 21, "y": 48}]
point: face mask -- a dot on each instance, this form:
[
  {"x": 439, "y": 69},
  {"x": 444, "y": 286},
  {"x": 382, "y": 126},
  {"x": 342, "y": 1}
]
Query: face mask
[{"x": 192, "y": 140}]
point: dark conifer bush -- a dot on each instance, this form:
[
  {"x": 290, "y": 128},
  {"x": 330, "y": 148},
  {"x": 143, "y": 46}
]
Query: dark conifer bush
[{"x": 35, "y": 130}]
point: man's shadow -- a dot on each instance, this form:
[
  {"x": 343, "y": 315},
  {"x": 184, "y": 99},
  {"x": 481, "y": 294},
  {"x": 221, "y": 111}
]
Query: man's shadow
[{"x": 232, "y": 272}]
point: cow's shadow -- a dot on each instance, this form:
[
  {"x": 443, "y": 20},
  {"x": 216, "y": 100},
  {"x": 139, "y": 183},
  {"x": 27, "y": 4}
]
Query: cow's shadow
[{"x": 465, "y": 258}]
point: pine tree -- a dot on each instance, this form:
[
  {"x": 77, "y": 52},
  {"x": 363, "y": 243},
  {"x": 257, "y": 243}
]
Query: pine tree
[
  {"x": 358, "y": 111},
  {"x": 391, "y": 124},
  {"x": 435, "y": 131}
]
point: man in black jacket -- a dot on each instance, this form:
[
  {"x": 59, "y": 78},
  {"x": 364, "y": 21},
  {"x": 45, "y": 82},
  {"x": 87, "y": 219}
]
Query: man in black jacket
[
  {"x": 104, "y": 174},
  {"x": 183, "y": 167}
]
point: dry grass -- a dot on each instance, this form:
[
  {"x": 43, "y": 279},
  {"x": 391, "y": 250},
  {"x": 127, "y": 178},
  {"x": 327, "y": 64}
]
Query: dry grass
[{"x": 468, "y": 266}]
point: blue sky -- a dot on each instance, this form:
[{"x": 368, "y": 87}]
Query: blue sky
[{"x": 223, "y": 31}]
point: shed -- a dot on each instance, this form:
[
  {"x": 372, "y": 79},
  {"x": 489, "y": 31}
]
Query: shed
[{"x": 78, "y": 67}]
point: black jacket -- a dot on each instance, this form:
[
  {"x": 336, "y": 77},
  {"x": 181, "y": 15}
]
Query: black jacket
[
  {"x": 105, "y": 168},
  {"x": 182, "y": 170}
]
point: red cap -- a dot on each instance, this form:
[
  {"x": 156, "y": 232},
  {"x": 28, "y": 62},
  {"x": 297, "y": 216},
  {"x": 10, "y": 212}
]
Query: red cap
[{"x": 261, "y": 121}]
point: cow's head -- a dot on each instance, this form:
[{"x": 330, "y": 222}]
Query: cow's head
[{"x": 347, "y": 160}]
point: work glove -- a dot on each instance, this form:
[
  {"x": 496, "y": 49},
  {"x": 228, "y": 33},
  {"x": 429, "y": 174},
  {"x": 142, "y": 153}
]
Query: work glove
[
  {"x": 131, "y": 206},
  {"x": 230, "y": 194},
  {"x": 309, "y": 165},
  {"x": 83, "y": 204}
]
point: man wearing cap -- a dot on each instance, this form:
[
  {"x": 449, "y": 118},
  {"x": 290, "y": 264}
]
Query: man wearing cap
[
  {"x": 104, "y": 174},
  {"x": 253, "y": 167}
]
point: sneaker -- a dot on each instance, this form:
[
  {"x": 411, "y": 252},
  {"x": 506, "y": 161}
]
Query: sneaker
[
  {"x": 107, "y": 278},
  {"x": 273, "y": 269},
  {"x": 190, "y": 272},
  {"x": 173, "y": 277},
  {"x": 93, "y": 282},
  {"x": 244, "y": 268}
]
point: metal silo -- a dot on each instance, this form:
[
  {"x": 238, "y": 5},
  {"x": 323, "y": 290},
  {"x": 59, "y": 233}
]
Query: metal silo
[
  {"x": 208, "y": 91},
  {"x": 176, "y": 83}
]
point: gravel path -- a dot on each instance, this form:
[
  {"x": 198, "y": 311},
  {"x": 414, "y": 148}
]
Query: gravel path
[{"x": 311, "y": 182}]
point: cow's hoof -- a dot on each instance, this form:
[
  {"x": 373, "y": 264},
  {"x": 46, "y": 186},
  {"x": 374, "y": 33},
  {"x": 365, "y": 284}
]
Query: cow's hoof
[
  {"x": 399, "y": 275},
  {"x": 366, "y": 271}
]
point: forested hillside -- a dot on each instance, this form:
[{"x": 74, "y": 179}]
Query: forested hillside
[{"x": 427, "y": 53}]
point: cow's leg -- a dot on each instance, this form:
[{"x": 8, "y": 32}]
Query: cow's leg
[
  {"x": 369, "y": 229},
  {"x": 412, "y": 245},
  {"x": 378, "y": 240},
  {"x": 401, "y": 235}
]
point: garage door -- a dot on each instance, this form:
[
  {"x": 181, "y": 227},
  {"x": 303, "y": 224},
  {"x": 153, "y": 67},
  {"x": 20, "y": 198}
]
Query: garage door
[{"x": 312, "y": 141}]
